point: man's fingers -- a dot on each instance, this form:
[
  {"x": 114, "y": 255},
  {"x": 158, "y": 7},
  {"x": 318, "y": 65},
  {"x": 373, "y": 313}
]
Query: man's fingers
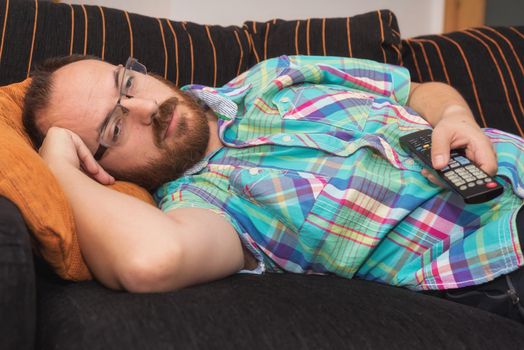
[
  {"x": 89, "y": 164},
  {"x": 485, "y": 157},
  {"x": 431, "y": 177},
  {"x": 440, "y": 147}
]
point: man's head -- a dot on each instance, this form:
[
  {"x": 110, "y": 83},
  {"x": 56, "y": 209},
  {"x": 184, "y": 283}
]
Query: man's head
[{"x": 153, "y": 132}]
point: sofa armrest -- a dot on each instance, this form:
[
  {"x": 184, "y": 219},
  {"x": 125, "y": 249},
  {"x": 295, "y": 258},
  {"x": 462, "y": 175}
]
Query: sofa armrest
[{"x": 17, "y": 280}]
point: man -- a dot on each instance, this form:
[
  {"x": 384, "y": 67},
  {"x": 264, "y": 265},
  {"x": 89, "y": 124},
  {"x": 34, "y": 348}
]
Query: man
[{"x": 292, "y": 166}]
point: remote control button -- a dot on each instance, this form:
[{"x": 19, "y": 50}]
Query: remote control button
[
  {"x": 491, "y": 184},
  {"x": 479, "y": 182},
  {"x": 488, "y": 179},
  {"x": 463, "y": 187},
  {"x": 471, "y": 184},
  {"x": 454, "y": 165},
  {"x": 462, "y": 160},
  {"x": 459, "y": 182}
]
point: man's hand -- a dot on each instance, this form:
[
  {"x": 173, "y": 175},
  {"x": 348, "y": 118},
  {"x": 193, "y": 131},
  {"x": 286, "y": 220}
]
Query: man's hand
[
  {"x": 453, "y": 127},
  {"x": 64, "y": 147},
  {"x": 451, "y": 132}
]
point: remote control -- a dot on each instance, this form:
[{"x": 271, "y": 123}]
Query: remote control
[{"x": 464, "y": 177}]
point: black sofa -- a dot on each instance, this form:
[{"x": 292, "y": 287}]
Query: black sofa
[{"x": 272, "y": 311}]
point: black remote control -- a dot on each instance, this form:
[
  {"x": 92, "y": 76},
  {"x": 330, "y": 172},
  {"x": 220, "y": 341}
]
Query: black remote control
[{"x": 464, "y": 177}]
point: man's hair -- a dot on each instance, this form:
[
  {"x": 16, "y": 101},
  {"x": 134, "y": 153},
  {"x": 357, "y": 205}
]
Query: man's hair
[{"x": 38, "y": 93}]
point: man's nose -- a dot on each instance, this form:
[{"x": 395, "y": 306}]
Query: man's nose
[{"x": 141, "y": 110}]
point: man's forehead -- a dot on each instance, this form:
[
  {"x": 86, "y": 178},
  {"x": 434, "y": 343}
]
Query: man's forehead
[
  {"x": 79, "y": 74},
  {"x": 81, "y": 92},
  {"x": 87, "y": 64}
]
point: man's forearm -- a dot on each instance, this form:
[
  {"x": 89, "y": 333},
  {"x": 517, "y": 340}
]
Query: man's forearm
[
  {"x": 113, "y": 229},
  {"x": 435, "y": 101}
]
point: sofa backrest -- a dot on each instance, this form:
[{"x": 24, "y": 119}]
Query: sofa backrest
[
  {"x": 484, "y": 64},
  {"x": 182, "y": 52}
]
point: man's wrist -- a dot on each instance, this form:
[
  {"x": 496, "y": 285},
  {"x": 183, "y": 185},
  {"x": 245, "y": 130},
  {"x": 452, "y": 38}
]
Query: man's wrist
[
  {"x": 458, "y": 114},
  {"x": 60, "y": 167}
]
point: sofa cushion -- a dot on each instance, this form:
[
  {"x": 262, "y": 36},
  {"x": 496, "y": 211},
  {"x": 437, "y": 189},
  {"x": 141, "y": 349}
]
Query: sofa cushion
[
  {"x": 272, "y": 311},
  {"x": 182, "y": 52},
  {"x": 374, "y": 35},
  {"x": 27, "y": 181},
  {"x": 484, "y": 64},
  {"x": 17, "y": 281}
]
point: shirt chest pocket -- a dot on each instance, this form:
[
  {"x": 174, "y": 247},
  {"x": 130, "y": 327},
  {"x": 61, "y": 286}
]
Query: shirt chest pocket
[
  {"x": 284, "y": 195},
  {"x": 333, "y": 107}
]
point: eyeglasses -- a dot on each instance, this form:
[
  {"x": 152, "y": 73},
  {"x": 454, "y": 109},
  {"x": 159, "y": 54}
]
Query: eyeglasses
[{"x": 112, "y": 131}]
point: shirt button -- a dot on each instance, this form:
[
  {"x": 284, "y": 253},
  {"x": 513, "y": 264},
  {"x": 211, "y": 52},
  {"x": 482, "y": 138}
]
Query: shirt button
[
  {"x": 253, "y": 171},
  {"x": 410, "y": 161},
  {"x": 286, "y": 138}
]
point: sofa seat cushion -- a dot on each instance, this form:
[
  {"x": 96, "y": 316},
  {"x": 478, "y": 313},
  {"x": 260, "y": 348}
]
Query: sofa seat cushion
[{"x": 272, "y": 311}]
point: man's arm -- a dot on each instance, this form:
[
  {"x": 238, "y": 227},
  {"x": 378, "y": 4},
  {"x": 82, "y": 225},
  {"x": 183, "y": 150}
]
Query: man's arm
[
  {"x": 454, "y": 126},
  {"x": 131, "y": 245}
]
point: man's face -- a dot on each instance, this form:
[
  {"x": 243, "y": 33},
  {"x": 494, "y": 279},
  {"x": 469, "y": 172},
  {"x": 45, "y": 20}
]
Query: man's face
[{"x": 163, "y": 134}]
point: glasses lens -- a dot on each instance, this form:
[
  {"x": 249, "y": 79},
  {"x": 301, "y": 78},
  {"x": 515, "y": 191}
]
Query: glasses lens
[
  {"x": 113, "y": 132},
  {"x": 135, "y": 66},
  {"x": 129, "y": 75}
]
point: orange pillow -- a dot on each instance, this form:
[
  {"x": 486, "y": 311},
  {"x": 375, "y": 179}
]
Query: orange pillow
[{"x": 26, "y": 181}]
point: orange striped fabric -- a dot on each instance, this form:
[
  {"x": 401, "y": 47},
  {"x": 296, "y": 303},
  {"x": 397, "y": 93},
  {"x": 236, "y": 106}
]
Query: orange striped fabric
[
  {"x": 33, "y": 39},
  {"x": 214, "y": 56},
  {"x": 103, "y": 21},
  {"x": 86, "y": 23},
  {"x": 348, "y": 35},
  {"x": 484, "y": 64},
  {"x": 72, "y": 30},
  {"x": 165, "y": 47},
  {"x": 6, "y": 12},
  {"x": 183, "y": 52},
  {"x": 175, "y": 43}
]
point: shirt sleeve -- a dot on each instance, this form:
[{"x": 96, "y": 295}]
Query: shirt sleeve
[{"x": 170, "y": 197}]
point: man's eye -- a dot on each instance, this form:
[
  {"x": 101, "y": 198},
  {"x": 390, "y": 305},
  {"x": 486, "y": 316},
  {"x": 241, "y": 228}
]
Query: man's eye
[
  {"x": 117, "y": 130},
  {"x": 128, "y": 83}
]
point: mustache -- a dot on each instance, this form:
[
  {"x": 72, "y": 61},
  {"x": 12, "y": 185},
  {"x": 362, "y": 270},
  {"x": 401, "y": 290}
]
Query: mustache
[{"x": 162, "y": 118}]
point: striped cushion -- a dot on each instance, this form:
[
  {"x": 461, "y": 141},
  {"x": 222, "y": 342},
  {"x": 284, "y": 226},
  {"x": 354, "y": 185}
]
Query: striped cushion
[
  {"x": 484, "y": 64},
  {"x": 183, "y": 52},
  {"x": 374, "y": 35}
]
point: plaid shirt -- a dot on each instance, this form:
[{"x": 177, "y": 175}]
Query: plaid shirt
[{"x": 313, "y": 179}]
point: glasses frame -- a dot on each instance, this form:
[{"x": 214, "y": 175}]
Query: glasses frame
[{"x": 132, "y": 65}]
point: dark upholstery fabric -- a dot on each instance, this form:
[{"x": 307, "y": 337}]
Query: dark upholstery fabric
[
  {"x": 484, "y": 64},
  {"x": 374, "y": 35},
  {"x": 266, "y": 312},
  {"x": 17, "y": 281},
  {"x": 183, "y": 52}
]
